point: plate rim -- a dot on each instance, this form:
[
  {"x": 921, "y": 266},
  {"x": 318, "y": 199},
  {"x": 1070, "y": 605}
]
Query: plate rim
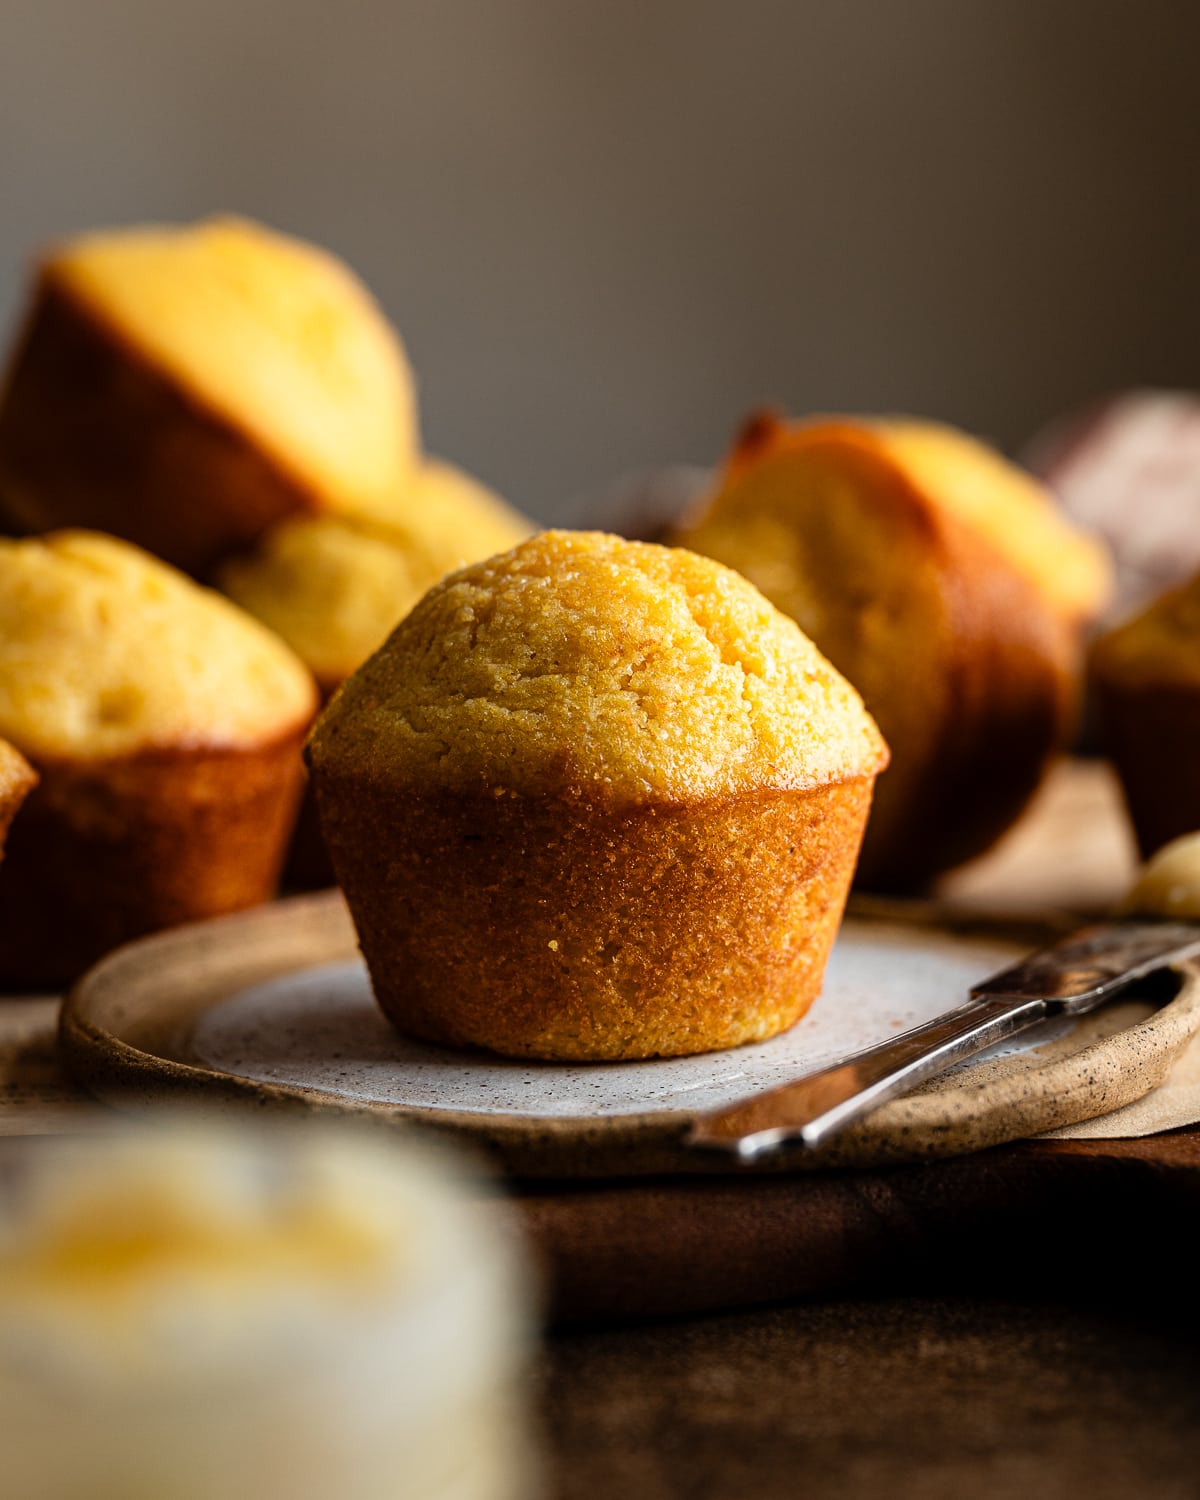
[{"x": 940, "y": 1121}]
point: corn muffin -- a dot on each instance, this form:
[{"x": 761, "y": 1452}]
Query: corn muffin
[
  {"x": 946, "y": 586},
  {"x": 164, "y": 725},
  {"x": 595, "y": 799},
  {"x": 188, "y": 387},
  {"x": 193, "y": 1314},
  {"x": 1146, "y": 677},
  {"x": 335, "y": 587}
]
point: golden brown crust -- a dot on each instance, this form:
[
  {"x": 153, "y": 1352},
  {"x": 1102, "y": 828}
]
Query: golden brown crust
[
  {"x": 968, "y": 670},
  {"x": 578, "y": 659},
  {"x": 1009, "y": 668},
  {"x": 93, "y": 435},
  {"x": 107, "y": 851},
  {"x": 548, "y": 927}
]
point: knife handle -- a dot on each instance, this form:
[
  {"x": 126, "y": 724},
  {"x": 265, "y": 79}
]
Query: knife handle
[{"x": 812, "y": 1108}]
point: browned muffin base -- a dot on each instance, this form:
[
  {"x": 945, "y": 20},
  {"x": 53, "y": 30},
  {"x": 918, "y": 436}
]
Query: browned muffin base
[
  {"x": 554, "y": 929},
  {"x": 92, "y": 434},
  {"x": 107, "y": 851},
  {"x": 1152, "y": 731}
]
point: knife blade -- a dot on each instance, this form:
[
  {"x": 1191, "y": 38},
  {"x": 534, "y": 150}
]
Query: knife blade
[{"x": 1067, "y": 978}]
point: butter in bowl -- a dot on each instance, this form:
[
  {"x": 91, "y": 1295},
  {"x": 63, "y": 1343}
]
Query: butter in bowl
[{"x": 190, "y": 1312}]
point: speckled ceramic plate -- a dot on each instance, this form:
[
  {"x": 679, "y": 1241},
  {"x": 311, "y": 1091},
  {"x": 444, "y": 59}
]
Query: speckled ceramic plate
[{"x": 273, "y": 1008}]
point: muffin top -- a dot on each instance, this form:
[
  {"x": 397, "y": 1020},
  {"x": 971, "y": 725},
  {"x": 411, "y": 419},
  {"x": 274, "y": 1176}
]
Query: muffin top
[
  {"x": 334, "y": 588},
  {"x": 275, "y": 335},
  {"x": 1006, "y": 504},
  {"x": 1159, "y": 645},
  {"x": 104, "y": 651},
  {"x": 948, "y": 470},
  {"x": 579, "y": 664}
]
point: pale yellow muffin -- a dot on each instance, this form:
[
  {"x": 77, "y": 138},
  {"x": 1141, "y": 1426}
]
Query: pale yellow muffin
[
  {"x": 267, "y": 1314},
  {"x": 163, "y": 723},
  {"x": 449, "y": 518},
  {"x": 1146, "y": 676},
  {"x": 947, "y": 587},
  {"x": 595, "y": 799},
  {"x": 105, "y": 651},
  {"x": 334, "y": 588},
  {"x": 188, "y": 386}
]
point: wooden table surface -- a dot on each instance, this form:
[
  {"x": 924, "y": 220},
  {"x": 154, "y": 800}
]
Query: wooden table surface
[
  {"x": 1036, "y": 1342},
  {"x": 1013, "y": 1324}
]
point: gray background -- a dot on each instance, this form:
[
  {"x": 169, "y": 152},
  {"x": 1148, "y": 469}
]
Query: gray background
[{"x": 607, "y": 229}]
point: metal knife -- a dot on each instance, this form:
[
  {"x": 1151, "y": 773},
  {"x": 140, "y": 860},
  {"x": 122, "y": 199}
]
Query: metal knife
[{"x": 1068, "y": 978}]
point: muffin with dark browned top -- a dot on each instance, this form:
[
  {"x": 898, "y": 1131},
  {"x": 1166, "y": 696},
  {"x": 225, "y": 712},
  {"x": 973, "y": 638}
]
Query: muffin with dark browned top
[{"x": 595, "y": 799}]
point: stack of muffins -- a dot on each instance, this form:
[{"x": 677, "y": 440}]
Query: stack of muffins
[{"x": 231, "y": 403}]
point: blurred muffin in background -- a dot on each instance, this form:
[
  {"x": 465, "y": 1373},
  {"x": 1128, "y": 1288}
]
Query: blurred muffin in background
[
  {"x": 186, "y": 388},
  {"x": 1129, "y": 468},
  {"x": 946, "y": 585},
  {"x": 334, "y": 589},
  {"x": 164, "y": 725},
  {"x": 1146, "y": 679},
  {"x": 191, "y": 1314}
]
